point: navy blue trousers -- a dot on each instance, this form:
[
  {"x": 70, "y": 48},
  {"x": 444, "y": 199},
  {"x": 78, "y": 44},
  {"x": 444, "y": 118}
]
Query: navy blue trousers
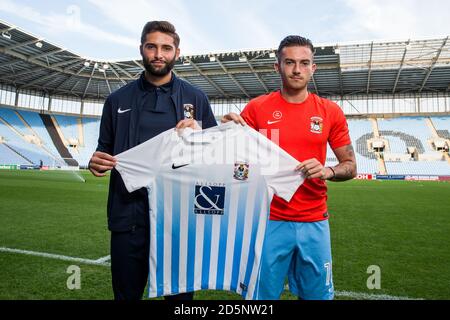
[{"x": 129, "y": 265}]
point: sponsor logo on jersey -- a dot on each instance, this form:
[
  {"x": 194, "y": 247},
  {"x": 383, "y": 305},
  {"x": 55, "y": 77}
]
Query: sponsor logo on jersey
[
  {"x": 188, "y": 111},
  {"x": 277, "y": 115},
  {"x": 241, "y": 171},
  {"x": 316, "y": 125},
  {"x": 209, "y": 199}
]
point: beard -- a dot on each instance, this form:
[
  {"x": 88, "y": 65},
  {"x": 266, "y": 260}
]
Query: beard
[{"x": 158, "y": 72}]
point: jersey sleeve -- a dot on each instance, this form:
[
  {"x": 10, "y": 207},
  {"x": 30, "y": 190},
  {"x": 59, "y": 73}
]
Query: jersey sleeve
[
  {"x": 339, "y": 135},
  {"x": 249, "y": 115},
  {"x": 277, "y": 166},
  {"x": 284, "y": 180},
  {"x": 139, "y": 165}
]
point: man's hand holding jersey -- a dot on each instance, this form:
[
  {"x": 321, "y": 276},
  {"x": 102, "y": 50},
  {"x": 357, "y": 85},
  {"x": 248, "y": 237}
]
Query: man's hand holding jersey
[
  {"x": 100, "y": 163},
  {"x": 313, "y": 169},
  {"x": 233, "y": 117}
]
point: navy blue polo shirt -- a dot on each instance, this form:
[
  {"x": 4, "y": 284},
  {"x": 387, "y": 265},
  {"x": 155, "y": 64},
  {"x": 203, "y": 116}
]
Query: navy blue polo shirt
[
  {"x": 158, "y": 112},
  {"x": 157, "y": 115}
]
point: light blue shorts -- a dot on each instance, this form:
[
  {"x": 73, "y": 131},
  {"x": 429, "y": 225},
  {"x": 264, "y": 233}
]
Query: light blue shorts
[{"x": 302, "y": 252}]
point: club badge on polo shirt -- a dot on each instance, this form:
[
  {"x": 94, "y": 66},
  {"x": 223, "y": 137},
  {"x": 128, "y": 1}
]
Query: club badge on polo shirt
[
  {"x": 241, "y": 170},
  {"x": 188, "y": 111},
  {"x": 316, "y": 125}
]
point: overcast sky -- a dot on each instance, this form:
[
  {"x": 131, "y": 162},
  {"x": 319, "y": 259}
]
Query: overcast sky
[{"x": 110, "y": 29}]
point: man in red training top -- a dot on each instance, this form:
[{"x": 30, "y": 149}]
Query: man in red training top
[{"x": 297, "y": 242}]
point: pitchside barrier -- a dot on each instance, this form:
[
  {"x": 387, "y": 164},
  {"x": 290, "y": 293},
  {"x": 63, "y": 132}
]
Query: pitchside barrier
[{"x": 363, "y": 176}]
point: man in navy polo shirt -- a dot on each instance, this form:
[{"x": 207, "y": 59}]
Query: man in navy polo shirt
[{"x": 135, "y": 113}]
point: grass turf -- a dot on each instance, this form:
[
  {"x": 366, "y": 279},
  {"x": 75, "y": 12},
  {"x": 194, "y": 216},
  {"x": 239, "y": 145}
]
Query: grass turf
[{"x": 400, "y": 226}]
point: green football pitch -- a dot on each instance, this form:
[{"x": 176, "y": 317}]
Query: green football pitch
[{"x": 399, "y": 229}]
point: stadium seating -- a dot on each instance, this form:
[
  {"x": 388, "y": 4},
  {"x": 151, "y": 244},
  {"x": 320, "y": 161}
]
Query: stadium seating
[
  {"x": 91, "y": 127},
  {"x": 33, "y": 119},
  {"x": 400, "y": 133},
  {"x": 412, "y": 130},
  {"x": 7, "y": 156},
  {"x": 360, "y": 132},
  {"x": 86, "y": 146},
  {"x": 29, "y": 152},
  {"x": 419, "y": 168}
]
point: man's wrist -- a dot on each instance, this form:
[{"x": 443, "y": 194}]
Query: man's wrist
[{"x": 333, "y": 174}]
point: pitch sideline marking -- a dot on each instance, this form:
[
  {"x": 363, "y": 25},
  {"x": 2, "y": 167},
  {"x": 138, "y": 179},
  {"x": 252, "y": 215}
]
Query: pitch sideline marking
[
  {"x": 103, "y": 259},
  {"x": 369, "y": 296},
  {"x": 102, "y": 262}
]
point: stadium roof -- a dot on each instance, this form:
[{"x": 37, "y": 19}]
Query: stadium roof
[{"x": 29, "y": 62}]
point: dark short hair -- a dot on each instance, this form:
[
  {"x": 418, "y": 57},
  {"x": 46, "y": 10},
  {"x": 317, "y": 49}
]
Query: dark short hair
[
  {"x": 292, "y": 41},
  {"x": 161, "y": 26}
]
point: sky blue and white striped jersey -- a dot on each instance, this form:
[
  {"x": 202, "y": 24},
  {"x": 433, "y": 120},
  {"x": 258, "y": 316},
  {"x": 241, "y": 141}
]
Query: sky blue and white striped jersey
[{"x": 209, "y": 199}]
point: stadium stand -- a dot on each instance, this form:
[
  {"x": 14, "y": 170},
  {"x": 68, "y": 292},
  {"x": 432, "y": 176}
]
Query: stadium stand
[
  {"x": 91, "y": 127},
  {"x": 360, "y": 132},
  {"x": 79, "y": 135},
  {"x": 395, "y": 95},
  {"x": 21, "y": 140},
  {"x": 35, "y": 122},
  {"x": 10, "y": 157}
]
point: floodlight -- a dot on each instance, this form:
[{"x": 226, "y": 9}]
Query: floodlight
[
  {"x": 6, "y": 35},
  {"x": 242, "y": 58}
]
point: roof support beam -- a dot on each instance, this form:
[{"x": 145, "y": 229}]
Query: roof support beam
[
  {"x": 22, "y": 44},
  {"x": 341, "y": 82},
  {"x": 74, "y": 86},
  {"x": 88, "y": 83},
  {"x": 258, "y": 76},
  {"x": 233, "y": 78},
  {"x": 7, "y": 29},
  {"x": 40, "y": 79},
  {"x": 107, "y": 84},
  {"x": 139, "y": 64},
  {"x": 30, "y": 59},
  {"x": 70, "y": 78},
  {"x": 315, "y": 84},
  {"x": 208, "y": 78},
  {"x": 58, "y": 64},
  {"x": 401, "y": 66},
  {"x": 122, "y": 70},
  {"x": 433, "y": 63},
  {"x": 369, "y": 73},
  {"x": 51, "y": 67},
  {"x": 116, "y": 74}
]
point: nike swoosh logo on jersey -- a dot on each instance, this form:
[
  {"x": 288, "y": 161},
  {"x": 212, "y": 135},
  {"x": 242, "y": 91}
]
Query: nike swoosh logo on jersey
[
  {"x": 177, "y": 167},
  {"x": 122, "y": 111},
  {"x": 272, "y": 122}
]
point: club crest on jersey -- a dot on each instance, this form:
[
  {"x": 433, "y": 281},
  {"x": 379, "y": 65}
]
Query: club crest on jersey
[
  {"x": 188, "y": 111},
  {"x": 241, "y": 171},
  {"x": 316, "y": 125}
]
